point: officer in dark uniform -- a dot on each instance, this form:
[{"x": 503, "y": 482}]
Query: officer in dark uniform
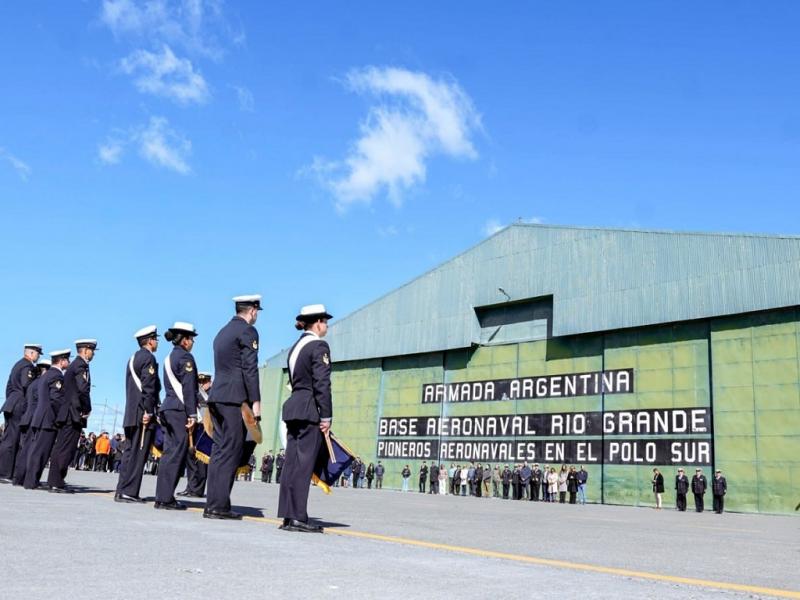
[
  {"x": 236, "y": 382},
  {"x": 26, "y": 439},
  {"x": 196, "y": 469},
  {"x": 178, "y": 412},
  {"x": 142, "y": 387},
  {"x": 22, "y": 375},
  {"x": 51, "y": 400},
  {"x": 307, "y": 413},
  {"x": 279, "y": 461},
  {"x": 71, "y": 419}
]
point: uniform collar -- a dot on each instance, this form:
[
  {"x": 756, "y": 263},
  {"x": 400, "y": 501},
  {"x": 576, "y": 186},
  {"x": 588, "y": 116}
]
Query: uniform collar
[{"x": 309, "y": 332}]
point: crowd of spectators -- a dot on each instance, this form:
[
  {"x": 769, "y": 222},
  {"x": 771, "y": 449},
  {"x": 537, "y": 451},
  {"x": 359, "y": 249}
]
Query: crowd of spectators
[
  {"x": 99, "y": 452},
  {"x": 510, "y": 482}
]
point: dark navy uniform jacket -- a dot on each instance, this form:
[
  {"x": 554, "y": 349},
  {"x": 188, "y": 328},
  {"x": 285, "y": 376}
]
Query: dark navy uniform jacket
[
  {"x": 185, "y": 370},
  {"x": 31, "y": 398},
  {"x": 236, "y": 364},
  {"x": 22, "y": 374},
  {"x": 145, "y": 401},
  {"x": 311, "y": 381},
  {"x": 77, "y": 386},
  {"x": 51, "y": 399}
]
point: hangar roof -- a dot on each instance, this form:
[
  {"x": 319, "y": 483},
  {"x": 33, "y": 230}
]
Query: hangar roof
[{"x": 599, "y": 280}]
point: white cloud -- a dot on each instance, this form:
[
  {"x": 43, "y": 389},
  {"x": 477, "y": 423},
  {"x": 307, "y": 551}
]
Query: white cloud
[
  {"x": 492, "y": 226},
  {"x": 247, "y": 101},
  {"x": 23, "y": 170},
  {"x": 197, "y": 26},
  {"x": 166, "y": 75},
  {"x": 110, "y": 152},
  {"x": 389, "y": 231},
  {"x": 163, "y": 147},
  {"x": 415, "y": 117}
]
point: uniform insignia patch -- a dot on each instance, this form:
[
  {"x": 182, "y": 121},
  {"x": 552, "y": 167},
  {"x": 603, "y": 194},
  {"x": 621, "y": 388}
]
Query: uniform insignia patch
[
  {"x": 58, "y": 385},
  {"x": 189, "y": 367},
  {"x": 255, "y": 345},
  {"x": 30, "y": 374},
  {"x": 326, "y": 359},
  {"x": 151, "y": 370}
]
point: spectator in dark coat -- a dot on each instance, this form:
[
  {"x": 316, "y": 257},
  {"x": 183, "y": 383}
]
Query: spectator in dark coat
[
  {"x": 379, "y": 471},
  {"x": 478, "y": 480},
  {"x": 699, "y": 485},
  {"x": 423, "y": 477},
  {"x": 681, "y": 489},
  {"x": 507, "y": 476},
  {"x": 583, "y": 478},
  {"x": 434, "y": 479},
  {"x": 658, "y": 487},
  {"x": 370, "y": 475},
  {"x": 719, "y": 486},
  {"x": 572, "y": 484}
]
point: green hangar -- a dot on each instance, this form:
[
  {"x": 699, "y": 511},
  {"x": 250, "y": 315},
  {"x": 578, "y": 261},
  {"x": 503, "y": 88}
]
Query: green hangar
[{"x": 618, "y": 350}]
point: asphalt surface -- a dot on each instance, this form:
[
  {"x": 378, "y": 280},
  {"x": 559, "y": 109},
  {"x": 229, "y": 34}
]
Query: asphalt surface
[{"x": 383, "y": 544}]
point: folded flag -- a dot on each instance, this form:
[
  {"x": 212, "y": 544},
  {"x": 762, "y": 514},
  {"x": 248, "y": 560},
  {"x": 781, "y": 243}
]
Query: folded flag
[{"x": 333, "y": 458}]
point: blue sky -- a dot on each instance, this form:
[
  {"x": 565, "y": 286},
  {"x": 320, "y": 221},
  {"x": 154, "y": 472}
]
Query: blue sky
[{"x": 158, "y": 158}]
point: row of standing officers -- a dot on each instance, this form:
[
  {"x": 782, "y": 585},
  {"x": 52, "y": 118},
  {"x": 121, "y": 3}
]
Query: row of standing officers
[{"x": 48, "y": 402}]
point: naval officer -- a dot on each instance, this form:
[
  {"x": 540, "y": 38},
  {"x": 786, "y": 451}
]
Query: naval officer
[
  {"x": 307, "y": 413},
  {"x": 22, "y": 375},
  {"x": 236, "y": 382},
  {"x": 178, "y": 412},
  {"x": 142, "y": 387},
  {"x": 26, "y": 439},
  {"x": 196, "y": 469},
  {"x": 44, "y": 422},
  {"x": 73, "y": 414}
]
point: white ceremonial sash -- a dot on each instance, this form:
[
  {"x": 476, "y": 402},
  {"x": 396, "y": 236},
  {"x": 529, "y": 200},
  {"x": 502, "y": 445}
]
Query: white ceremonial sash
[
  {"x": 173, "y": 381},
  {"x": 136, "y": 380}
]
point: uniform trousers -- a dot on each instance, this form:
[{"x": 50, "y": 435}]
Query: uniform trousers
[
  {"x": 422, "y": 486},
  {"x": 719, "y": 504},
  {"x": 64, "y": 449},
  {"x": 42, "y": 446},
  {"x": 698, "y": 502},
  {"x": 9, "y": 445},
  {"x": 196, "y": 475},
  {"x": 20, "y": 463},
  {"x": 173, "y": 457},
  {"x": 226, "y": 454},
  {"x": 278, "y": 474},
  {"x": 134, "y": 457},
  {"x": 680, "y": 501},
  {"x": 535, "y": 490},
  {"x": 303, "y": 441}
]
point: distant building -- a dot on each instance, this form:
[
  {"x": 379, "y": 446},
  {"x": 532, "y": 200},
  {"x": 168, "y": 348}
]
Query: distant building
[{"x": 615, "y": 349}]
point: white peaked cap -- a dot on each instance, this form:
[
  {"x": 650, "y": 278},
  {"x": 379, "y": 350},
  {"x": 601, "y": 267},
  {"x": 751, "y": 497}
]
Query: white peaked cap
[
  {"x": 46, "y": 362},
  {"x": 146, "y": 331},
  {"x": 183, "y": 326},
  {"x": 58, "y": 353},
  {"x": 250, "y": 298},
  {"x": 314, "y": 310}
]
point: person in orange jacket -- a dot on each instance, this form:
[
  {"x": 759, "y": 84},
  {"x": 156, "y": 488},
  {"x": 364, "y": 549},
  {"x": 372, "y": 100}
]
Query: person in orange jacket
[{"x": 101, "y": 448}]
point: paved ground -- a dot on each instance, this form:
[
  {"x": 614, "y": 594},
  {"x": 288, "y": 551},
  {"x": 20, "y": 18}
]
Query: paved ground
[{"x": 384, "y": 544}]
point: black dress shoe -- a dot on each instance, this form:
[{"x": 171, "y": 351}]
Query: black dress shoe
[
  {"x": 295, "y": 525},
  {"x": 126, "y": 498},
  {"x": 285, "y": 524},
  {"x": 42, "y": 487},
  {"x": 5, "y": 480},
  {"x": 173, "y": 505},
  {"x": 188, "y": 494},
  {"x": 222, "y": 514},
  {"x": 60, "y": 490}
]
